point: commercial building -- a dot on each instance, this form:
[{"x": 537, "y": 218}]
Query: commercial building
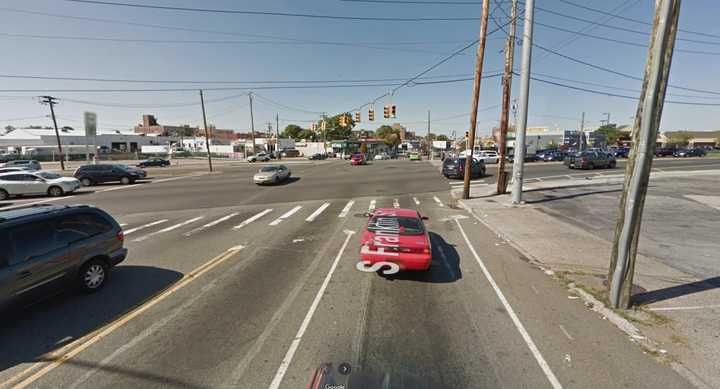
[{"x": 150, "y": 126}]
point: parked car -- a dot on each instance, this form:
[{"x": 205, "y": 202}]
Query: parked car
[
  {"x": 24, "y": 163},
  {"x": 489, "y": 156},
  {"x": 455, "y": 168},
  {"x": 35, "y": 183},
  {"x": 622, "y": 152},
  {"x": 381, "y": 156},
  {"x": 683, "y": 153},
  {"x": 528, "y": 158},
  {"x": 290, "y": 153},
  {"x": 47, "y": 246},
  {"x": 358, "y": 159},
  {"x": 318, "y": 156},
  {"x": 5, "y": 157},
  {"x": 664, "y": 152},
  {"x": 97, "y": 174},
  {"x": 398, "y": 236},
  {"x": 415, "y": 157},
  {"x": 259, "y": 157},
  {"x": 590, "y": 160},
  {"x": 271, "y": 174},
  {"x": 553, "y": 156},
  {"x": 154, "y": 162},
  {"x": 13, "y": 169}
]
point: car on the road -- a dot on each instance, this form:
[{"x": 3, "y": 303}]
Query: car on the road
[
  {"x": 381, "y": 157},
  {"x": 489, "y": 156},
  {"x": 528, "y": 158},
  {"x": 664, "y": 152},
  {"x": 45, "y": 247},
  {"x": 13, "y": 169},
  {"x": 358, "y": 159},
  {"x": 271, "y": 174},
  {"x": 455, "y": 168},
  {"x": 398, "y": 236},
  {"x": 590, "y": 160},
  {"x": 317, "y": 156},
  {"x": 553, "y": 156},
  {"x": 290, "y": 153},
  {"x": 414, "y": 157},
  {"x": 29, "y": 164},
  {"x": 98, "y": 174},
  {"x": 684, "y": 153},
  {"x": 260, "y": 157},
  {"x": 35, "y": 183},
  {"x": 153, "y": 162},
  {"x": 622, "y": 152}
]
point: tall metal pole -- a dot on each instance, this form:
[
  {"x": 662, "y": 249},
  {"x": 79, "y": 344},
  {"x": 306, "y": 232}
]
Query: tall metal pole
[
  {"x": 519, "y": 163},
  {"x": 476, "y": 96},
  {"x": 504, "y": 117},
  {"x": 277, "y": 135},
  {"x": 581, "y": 137},
  {"x": 207, "y": 136},
  {"x": 637, "y": 171},
  {"x": 252, "y": 124},
  {"x": 430, "y": 145}
]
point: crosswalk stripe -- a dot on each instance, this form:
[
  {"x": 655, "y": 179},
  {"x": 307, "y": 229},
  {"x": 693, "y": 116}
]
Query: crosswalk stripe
[
  {"x": 144, "y": 226},
  {"x": 417, "y": 202},
  {"x": 213, "y": 223},
  {"x": 437, "y": 200},
  {"x": 396, "y": 203},
  {"x": 252, "y": 219},
  {"x": 371, "y": 207},
  {"x": 168, "y": 229},
  {"x": 285, "y": 216},
  {"x": 345, "y": 210},
  {"x": 317, "y": 212}
]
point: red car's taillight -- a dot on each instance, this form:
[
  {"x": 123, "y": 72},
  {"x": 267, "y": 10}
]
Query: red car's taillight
[{"x": 121, "y": 236}]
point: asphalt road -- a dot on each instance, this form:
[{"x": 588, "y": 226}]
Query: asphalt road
[{"x": 233, "y": 285}]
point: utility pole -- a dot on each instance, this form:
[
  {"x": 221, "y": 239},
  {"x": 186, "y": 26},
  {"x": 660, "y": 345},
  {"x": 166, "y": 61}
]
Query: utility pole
[
  {"x": 51, "y": 101},
  {"x": 277, "y": 135},
  {"x": 581, "y": 137},
  {"x": 637, "y": 172},
  {"x": 207, "y": 136},
  {"x": 430, "y": 144},
  {"x": 519, "y": 163},
  {"x": 476, "y": 96},
  {"x": 606, "y": 121},
  {"x": 252, "y": 124},
  {"x": 504, "y": 117}
]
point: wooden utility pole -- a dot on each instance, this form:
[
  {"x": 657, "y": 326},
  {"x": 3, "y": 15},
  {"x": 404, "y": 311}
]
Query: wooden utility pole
[
  {"x": 252, "y": 125},
  {"x": 476, "y": 96},
  {"x": 430, "y": 144},
  {"x": 51, "y": 101},
  {"x": 207, "y": 135},
  {"x": 504, "y": 116},
  {"x": 277, "y": 135},
  {"x": 644, "y": 136},
  {"x": 581, "y": 135}
]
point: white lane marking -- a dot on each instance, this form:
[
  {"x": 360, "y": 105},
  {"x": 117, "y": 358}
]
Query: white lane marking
[
  {"x": 317, "y": 212},
  {"x": 252, "y": 219},
  {"x": 123, "y": 224},
  {"x": 168, "y": 229},
  {"x": 345, "y": 210},
  {"x": 144, "y": 226},
  {"x": 171, "y": 179},
  {"x": 371, "y": 207},
  {"x": 211, "y": 224},
  {"x": 285, "y": 216},
  {"x": 275, "y": 384},
  {"x": 396, "y": 203},
  {"x": 437, "y": 200},
  {"x": 567, "y": 334},
  {"x": 36, "y": 202},
  {"x": 118, "y": 188},
  {"x": 417, "y": 202},
  {"x": 688, "y": 308},
  {"x": 534, "y": 289},
  {"x": 511, "y": 312}
]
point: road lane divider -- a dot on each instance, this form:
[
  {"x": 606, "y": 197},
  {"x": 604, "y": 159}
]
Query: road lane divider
[
  {"x": 511, "y": 312},
  {"x": 396, "y": 203},
  {"x": 371, "y": 207},
  {"x": 280, "y": 374},
  {"x": 144, "y": 226},
  {"x": 252, "y": 219},
  {"x": 168, "y": 229},
  {"x": 437, "y": 200},
  {"x": 417, "y": 202},
  {"x": 317, "y": 212},
  {"x": 347, "y": 208},
  {"x": 211, "y": 224},
  {"x": 54, "y": 359},
  {"x": 285, "y": 216}
]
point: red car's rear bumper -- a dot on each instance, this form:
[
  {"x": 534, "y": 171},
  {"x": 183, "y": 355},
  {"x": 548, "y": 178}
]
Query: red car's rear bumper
[{"x": 406, "y": 261}]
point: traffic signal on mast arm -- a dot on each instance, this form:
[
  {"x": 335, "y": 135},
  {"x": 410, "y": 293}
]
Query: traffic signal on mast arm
[
  {"x": 357, "y": 117},
  {"x": 393, "y": 111},
  {"x": 386, "y": 112},
  {"x": 371, "y": 115},
  {"x": 342, "y": 120}
]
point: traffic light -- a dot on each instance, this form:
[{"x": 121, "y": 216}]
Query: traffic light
[
  {"x": 313, "y": 126},
  {"x": 466, "y": 134},
  {"x": 357, "y": 117},
  {"x": 393, "y": 111},
  {"x": 371, "y": 115},
  {"x": 323, "y": 125},
  {"x": 386, "y": 112},
  {"x": 342, "y": 120}
]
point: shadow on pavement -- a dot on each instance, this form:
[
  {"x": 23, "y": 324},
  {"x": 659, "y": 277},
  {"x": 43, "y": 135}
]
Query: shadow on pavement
[
  {"x": 675, "y": 291},
  {"x": 549, "y": 197},
  {"x": 550, "y": 188},
  {"x": 289, "y": 181},
  {"x": 443, "y": 269},
  {"x": 27, "y": 332}
]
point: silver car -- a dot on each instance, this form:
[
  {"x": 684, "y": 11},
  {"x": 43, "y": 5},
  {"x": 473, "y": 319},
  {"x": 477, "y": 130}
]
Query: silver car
[
  {"x": 29, "y": 164},
  {"x": 272, "y": 174},
  {"x": 35, "y": 183},
  {"x": 261, "y": 157}
]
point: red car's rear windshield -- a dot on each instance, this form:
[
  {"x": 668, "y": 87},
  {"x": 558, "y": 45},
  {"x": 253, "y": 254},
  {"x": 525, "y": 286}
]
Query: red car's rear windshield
[{"x": 400, "y": 225}]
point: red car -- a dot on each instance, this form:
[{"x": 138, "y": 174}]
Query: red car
[
  {"x": 358, "y": 159},
  {"x": 398, "y": 236}
]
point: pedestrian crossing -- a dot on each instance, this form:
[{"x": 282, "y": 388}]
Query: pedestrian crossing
[{"x": 191, "y": 225}]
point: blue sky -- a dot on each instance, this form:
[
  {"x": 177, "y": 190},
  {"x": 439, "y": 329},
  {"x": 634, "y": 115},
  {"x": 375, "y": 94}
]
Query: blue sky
[{"x": 549, "y": 105}]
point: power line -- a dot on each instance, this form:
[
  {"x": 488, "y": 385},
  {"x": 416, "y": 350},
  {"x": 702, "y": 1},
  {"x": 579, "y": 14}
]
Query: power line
[
  {"x": 23, "y": 118},
  {"x": 174, "y": 105},
  {"x": 276, "y": 104}
]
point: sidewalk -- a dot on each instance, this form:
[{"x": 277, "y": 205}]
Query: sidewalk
[{"x": 676, "y": 319}]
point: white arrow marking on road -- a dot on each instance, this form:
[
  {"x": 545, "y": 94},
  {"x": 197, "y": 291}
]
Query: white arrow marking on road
[
  {"x": 317, "y": 212},
  {"x": 275, "y": 384},
  {"x": 371, "y": 207},
  {"x": 130, "y": 231},
  {"x": 345, "y": 210},
  {"x": 437, "y": 200},
  {"x": 285, "y": 216},
  {"x": 417, "y": 202},
  {"x": 252, "y": 219},
  {"x": 168, "y": 229},
  {"x": 396, "y": 203},
  {"x": 213, "y": 223}
]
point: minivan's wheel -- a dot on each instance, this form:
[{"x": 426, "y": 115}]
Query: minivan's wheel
[
  {"x": 55, "y": 191},
  {"x": 4, "y": 195},
  {"x": 125, "y": 180},
  {"x": 86, "y": 181},
  {"x": 93, "y": 275},
  {"x": 612, "y": 165}
]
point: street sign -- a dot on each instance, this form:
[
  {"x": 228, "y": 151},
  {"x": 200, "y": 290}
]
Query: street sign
[{"x": 90, "y": 124}]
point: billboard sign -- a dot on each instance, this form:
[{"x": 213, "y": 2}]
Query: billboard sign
[{"x": 90, "y": 124}]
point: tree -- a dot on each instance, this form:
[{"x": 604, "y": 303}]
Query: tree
[
  {"x": 552, "y": 145},
  {"x": 363, "y": 148},
  {"x": 680, "y": 138},
  {"x": 307, "y": 135},
  {"x": 292, "y": 131},
  {"x": 389, "y": 134},
  {"x": 612, "y": 134},
  {"x": 333, "y": 129},
  {"x": 442, "y": 137}
]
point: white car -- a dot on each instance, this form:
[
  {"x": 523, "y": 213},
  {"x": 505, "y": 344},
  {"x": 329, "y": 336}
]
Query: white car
[
  {"x": 35, "y": 183},
  {"x": 261, "y": 157},
  {"x": 272, "y": 174},
  {"x": 381, "y": 157},
  {"x": 489, "y": 156}
]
